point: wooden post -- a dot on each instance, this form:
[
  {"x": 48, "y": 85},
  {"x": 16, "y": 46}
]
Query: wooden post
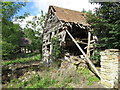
[
  {"x": 88, "y": 47},
  {"x": 88, "y": 60},
  {"x": 63, "y": 36}
]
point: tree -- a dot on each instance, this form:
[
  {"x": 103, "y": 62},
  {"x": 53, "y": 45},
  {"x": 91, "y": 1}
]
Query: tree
[
  {"x": 34, "y": 31},
  {"x": 9, "y": 9},
  {"x": 11, "y": 33},
  {"x": 105, "y": 22}
]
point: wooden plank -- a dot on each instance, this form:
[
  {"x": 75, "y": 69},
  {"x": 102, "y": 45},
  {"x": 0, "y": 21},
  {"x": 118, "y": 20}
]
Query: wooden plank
[
  {"x": 92, "y": 41},
  {"x": 88, "y": 46},
  {"x": 88, "y": 60},
  {"x": 63, "y": 35},
  {"x": 51, "y": 48},
  {"x": 78, "y": 41}
]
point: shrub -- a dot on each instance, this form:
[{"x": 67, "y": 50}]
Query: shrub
[{"x": 7, "y": 49}]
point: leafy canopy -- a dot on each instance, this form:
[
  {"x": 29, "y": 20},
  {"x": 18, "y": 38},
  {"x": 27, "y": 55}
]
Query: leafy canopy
[
  {"x": 9, "y": 9},
  {"x": 34, "y": 31},
  {"x": 106, "y": 24}
]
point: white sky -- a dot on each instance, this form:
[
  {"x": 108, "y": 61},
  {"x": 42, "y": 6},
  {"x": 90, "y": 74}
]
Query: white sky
[{"x": 77, "y": 5}]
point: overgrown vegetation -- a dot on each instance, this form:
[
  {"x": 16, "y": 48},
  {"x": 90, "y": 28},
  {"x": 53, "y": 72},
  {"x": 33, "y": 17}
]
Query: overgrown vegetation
[
  {"x": 86, "y": 73},
  {"x": 45, "y": 79},
  {"x": 34, "y": 30},
  {"x": 11, "y": 33},
  {"x": 57, "y": 50},
  {"x": 23, "y": 60},
  {"x": 35, "y": 81}
]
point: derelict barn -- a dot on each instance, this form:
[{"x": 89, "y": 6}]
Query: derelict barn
[
  {"x": 59, "y": 20},
  {"x": 73, "y": 30}
]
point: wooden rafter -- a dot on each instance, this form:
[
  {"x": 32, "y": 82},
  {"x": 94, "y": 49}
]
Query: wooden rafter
[{"x": 88, "y": 60}]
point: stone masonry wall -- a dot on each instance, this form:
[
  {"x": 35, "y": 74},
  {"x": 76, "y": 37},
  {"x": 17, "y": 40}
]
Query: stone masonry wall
[{"x": 109, "y": 67}]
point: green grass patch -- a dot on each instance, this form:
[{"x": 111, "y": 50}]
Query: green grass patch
[
  {"x": 43, "y": 82},
  {"x": 86, "y": 73},
  {"x": 83, "y": 71},
  {"x": 92, "y": 79},
  {"x": 23, "y": 60}
]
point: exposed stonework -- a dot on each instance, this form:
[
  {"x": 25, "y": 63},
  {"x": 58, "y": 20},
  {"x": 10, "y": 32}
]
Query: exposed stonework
[{"x": 109, "y": 67}]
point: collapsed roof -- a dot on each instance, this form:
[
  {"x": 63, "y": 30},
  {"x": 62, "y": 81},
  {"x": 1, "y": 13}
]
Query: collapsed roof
[{"x": 68, "y": 15}]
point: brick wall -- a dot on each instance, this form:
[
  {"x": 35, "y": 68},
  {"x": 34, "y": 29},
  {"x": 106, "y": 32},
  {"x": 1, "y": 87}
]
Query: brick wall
[{"x": 109, "y": 67}]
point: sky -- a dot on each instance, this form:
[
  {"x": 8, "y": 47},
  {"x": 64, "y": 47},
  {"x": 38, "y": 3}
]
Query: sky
[{"x": 35, "y": 6}]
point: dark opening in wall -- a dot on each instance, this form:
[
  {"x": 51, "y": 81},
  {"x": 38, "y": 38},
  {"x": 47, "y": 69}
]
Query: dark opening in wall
[{"x": 80, "y": 36}]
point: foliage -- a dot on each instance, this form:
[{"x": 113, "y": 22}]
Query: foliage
[
  {"x": 56, "y": 47},
  {"x": 96, "y": 56},
  {"x": 106, "y": 22},
  {"x": 9, "y": 9},
  {"x": 88, "y": 12},
  {"x": 11, "y": 33},
  {"x": 7, "y": 48},
  {"x": 23, "y": 60},
  {"x": 34, "y": 31}
]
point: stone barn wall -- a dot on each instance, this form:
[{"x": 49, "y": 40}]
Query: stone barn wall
[{"x": 110, "y": 67}]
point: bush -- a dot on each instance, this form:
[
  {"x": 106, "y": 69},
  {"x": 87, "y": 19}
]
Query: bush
[{"x": 7, "y": 49}]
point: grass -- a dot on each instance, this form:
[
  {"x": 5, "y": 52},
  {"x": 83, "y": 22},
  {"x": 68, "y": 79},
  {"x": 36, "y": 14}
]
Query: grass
[
  {"x": 23, "y": 60},
  {"x": 44, "y": 80},
  {"x": 35, "y": 82},
  {"x": 92, "y": 79},
  {"x": 86, "y": 73}
]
